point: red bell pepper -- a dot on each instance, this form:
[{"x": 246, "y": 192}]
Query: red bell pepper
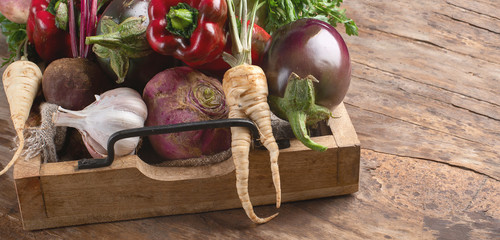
[
  {"x": 48, "y": 35},
  {"x": 190, "y": 30}
]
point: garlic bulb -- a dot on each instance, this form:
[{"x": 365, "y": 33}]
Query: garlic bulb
[{"x": 114, "y": 110}]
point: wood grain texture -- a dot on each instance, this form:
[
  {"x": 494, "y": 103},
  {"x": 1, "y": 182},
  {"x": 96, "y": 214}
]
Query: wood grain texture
[{"x": 425, "y": 103}]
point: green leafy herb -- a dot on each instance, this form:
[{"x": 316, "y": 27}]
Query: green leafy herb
[
  {"x": 15, "y": 35},
  {"x": 281, "y": 12}
]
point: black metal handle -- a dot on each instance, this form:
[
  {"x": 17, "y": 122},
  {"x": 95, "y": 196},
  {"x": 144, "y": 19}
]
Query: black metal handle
[{"x": 155, "y": 130}]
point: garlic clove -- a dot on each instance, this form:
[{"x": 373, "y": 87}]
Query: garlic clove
[{"x": 94, "y": 148}]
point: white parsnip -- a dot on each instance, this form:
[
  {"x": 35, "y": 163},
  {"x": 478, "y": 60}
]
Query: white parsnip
[
  {"x": 245, "y": 87},
  {"x": 21, "y": 82}
]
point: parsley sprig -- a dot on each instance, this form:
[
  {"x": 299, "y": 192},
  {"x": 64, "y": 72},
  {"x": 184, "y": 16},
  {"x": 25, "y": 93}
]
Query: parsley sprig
[
  {"x": 281, "y": 12},
  {"x": 15, "y": 35}
]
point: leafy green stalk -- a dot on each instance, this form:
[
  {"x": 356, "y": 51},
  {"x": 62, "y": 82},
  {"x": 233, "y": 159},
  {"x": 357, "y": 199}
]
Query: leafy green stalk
[
  {"x": 241, "y": 33},
  {"x": 16, "y": 37},
  {"x": 281, "y": 12}
]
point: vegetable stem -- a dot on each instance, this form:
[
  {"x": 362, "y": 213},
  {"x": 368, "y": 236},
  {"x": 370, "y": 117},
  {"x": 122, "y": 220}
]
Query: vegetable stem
[
  {"x": 120, "y": 42},
  {"x": 72, "y": 28},
  {"x": 83, "y": 24},
  {"x": 237, "y": 47},
  {"x": 182, "y": 20},
  {"x": 242, "y": 40},
  {"x": 299, "y": 108},
  {"x": 297, "y": 120},
  {"x": 91, "y": 27}
]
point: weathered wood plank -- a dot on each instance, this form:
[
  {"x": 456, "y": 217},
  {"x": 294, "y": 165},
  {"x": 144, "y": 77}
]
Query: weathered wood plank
[
  {"x": 484, "y": 7},
  {"x": 429, "y": 65},
  {"x": 475, "y": 17},
  {"x": 423, "y": 105},
  {"x": 411, "y": 140},
  {"x": 424, "y": 22}
]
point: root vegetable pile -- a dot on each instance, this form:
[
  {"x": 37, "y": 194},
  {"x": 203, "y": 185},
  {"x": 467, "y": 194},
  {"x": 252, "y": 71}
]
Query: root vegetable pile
[
  {"x": 245, "y": 87},
  {"x": 175, "y": 53}
]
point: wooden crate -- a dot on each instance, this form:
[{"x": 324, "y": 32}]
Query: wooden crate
[{"x": 57, "y": 194}]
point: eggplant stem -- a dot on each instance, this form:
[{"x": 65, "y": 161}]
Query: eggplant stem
[
  {"x": 299, "y": 108},
  {"x": 298, "y": 123}
]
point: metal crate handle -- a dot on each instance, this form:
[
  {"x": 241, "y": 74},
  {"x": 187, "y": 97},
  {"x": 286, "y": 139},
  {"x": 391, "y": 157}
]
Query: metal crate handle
[{"x": 163, "y": 129}]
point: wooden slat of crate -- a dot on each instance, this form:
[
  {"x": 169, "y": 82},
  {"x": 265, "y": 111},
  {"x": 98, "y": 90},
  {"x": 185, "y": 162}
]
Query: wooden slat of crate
[{"x": 57, "y": 194}]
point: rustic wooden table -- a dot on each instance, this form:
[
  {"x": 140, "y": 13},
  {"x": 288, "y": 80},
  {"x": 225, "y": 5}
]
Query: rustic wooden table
[{"x": 425, "y": 102}]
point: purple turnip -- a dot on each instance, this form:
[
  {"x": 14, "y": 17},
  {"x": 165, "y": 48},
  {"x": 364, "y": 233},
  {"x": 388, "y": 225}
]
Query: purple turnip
[
  {"x": 308, "y": 70},
  {"x": 179, "y": 95}
]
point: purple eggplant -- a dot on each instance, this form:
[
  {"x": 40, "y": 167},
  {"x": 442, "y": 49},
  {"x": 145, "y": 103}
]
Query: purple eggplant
[{"x": 309, "y": 71}]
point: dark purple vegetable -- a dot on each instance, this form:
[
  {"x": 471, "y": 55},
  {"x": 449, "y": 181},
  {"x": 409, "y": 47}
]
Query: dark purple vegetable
[
  {"x": 72, "y": 82},
  {"x": 317, "y": 54},
  {"x": 179, "y": 95}
]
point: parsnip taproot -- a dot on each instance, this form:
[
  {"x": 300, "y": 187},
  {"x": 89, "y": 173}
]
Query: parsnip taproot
[
  {"x": 245, "y": 87},
  {"x": 21, "y": 82}
]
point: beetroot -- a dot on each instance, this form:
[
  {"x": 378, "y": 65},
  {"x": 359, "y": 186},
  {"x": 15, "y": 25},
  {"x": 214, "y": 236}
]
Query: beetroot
[
  {"x": 179, "y": 95},
  {"x": 72, "y": 82}
]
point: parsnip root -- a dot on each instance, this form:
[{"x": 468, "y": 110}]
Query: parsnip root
[
  {"x": 21, "y": 82},
  {"x": 245, "y": 87}
]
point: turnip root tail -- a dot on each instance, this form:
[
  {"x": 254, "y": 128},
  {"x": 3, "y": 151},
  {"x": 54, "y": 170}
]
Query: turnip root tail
[
  {"x": 246, "y": 92},
  {"x": 21, "y": 82}
]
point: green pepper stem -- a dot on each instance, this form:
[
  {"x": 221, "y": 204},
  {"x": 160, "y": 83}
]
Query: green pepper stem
[
  {"x": 299, "y": 108},
  {"x": 182, "y": 20}
]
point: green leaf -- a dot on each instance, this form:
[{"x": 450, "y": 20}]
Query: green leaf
[
  {"x": 101, "y": 51},
  {"x": 281, "y": 12},
  {"x": 15, "y": 36},
  {"x": 108, "y": 25},
  {"x": 120, "y": 64}
]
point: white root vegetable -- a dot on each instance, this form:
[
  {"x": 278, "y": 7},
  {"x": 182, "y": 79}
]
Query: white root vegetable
[
  {"x": 15, "y": 10},
  {"x": 245, "y": 87},
  {"x": 21, "y": 82}
]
